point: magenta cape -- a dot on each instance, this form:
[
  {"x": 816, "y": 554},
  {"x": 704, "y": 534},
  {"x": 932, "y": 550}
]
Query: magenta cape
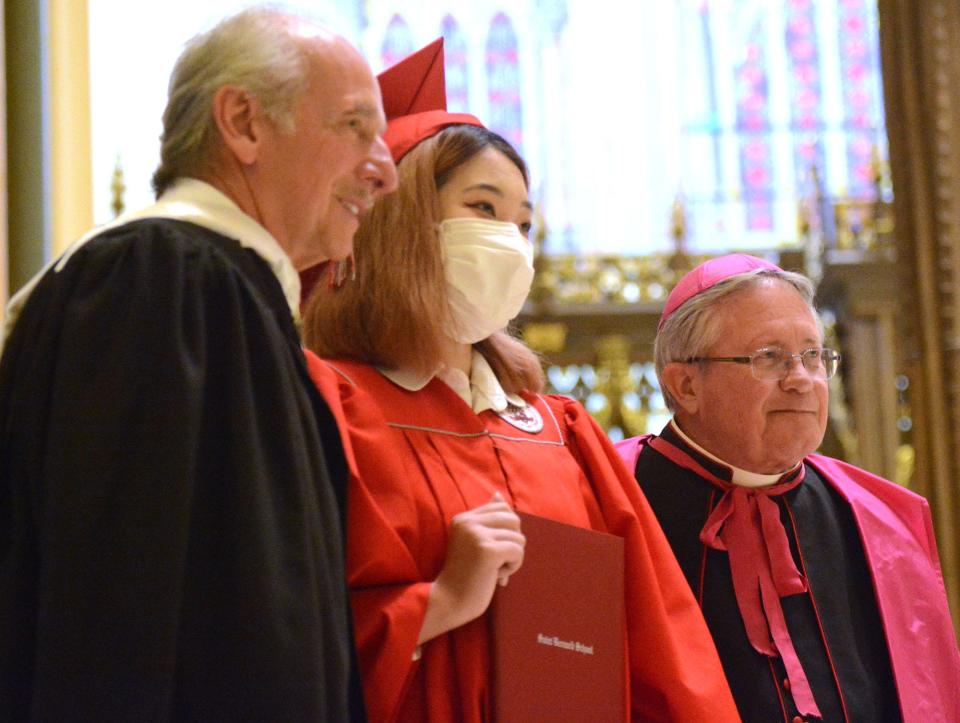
[{"x": 897, "y": 535}]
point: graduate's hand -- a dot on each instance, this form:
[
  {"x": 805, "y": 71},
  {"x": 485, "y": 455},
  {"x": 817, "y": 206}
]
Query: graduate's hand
[{"x": 485, "y": 547}]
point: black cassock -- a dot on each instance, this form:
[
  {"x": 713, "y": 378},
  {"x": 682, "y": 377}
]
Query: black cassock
[
  {"x": 835, "y": 628},
  {"x": 171, "y": 494}
]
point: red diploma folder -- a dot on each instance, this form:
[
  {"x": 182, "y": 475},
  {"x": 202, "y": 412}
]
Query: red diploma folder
[{"x": 558, "y": 628}]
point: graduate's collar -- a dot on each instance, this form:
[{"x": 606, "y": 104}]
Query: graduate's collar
[
  {"x": 740, "y": 477},
  {"x": 481, "y": 391}
]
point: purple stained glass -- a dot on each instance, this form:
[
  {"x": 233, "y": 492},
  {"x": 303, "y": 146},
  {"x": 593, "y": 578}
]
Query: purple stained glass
[
  {"x": 816, "y": 120},
  {"x": 503, "y": 80},
  {"x": 806, "y": 98},
  {"x": 753, "y": 123},
  {"x": 859, "y": 67},
  {"x": 455, "y": 66},
  {"x": 397, "y": 43}
]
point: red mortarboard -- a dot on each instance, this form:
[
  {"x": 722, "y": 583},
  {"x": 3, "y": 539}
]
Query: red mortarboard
[
  {"x": 415, "y": 100},
  {"x": 706, "y": 275}
]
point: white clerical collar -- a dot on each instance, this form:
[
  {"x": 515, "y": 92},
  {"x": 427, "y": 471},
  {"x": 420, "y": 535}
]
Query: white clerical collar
[
  {"x": 189, "y": 199},
  {"x": 482, "y": 391},
  {"x": 741, "y": 477}
]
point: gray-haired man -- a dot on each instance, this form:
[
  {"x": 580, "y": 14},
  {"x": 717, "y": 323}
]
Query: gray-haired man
[
  {"x": 820, "y": 582},
  {"x": 171, "y": 484}
]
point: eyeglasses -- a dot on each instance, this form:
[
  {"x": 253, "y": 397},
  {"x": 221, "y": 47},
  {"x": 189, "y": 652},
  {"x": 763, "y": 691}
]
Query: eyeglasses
[{"x": 772, "y": 362}]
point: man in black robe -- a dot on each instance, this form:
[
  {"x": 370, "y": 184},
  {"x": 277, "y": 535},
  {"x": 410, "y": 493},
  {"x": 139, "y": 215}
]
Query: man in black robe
[
  {"x": 172, "y": 487},
  {"x": 819, "y": 581}
]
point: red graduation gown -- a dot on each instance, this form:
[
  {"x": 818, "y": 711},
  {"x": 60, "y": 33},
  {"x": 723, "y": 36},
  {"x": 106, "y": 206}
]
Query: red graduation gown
[
  {"x": 897, "y": 534},
  {"x": 418, "y": 458}
]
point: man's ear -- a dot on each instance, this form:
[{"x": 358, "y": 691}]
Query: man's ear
[
  {"x": 237, "y": 117},
  {"x": 681, "y": 381}
]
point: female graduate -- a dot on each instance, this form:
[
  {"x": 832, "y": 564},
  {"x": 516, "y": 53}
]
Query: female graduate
[{"x": 447, "y": 435}]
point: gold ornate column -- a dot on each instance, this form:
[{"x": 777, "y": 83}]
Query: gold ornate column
[
  {"x": 861, "y": 291},
  {"x": 921, "y": 66},
  {"x": 71, "y": 173},
  {"x": 27, "y": 231},
  {"x": 49, "y": 184},
  {"x": 4, "y": 253}
]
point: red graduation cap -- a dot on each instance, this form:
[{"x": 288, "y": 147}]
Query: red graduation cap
[
  {"x": 415, "y": 100},
  {"x": 707, "y": 274}
]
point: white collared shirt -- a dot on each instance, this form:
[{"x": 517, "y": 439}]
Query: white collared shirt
[
  {"x": 481, "y": 391},
  {"x": 188, "y": 199}
]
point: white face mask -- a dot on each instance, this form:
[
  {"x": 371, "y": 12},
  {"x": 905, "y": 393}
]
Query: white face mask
[{"x": 489, "y": 269}]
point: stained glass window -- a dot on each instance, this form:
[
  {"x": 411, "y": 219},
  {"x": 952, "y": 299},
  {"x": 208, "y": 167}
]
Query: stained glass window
[
  {"x": 778, "y": 92},
  {"x": 862, "y": 102},
  {"x": 397, "y": 42},
  {"x": 503, "y": 80},
  {"x": 754, "y": 131},
  {"x": 806, "y": 100},
  {"x": 617, "y": 107},
  {"x": 455, "y": 66}
]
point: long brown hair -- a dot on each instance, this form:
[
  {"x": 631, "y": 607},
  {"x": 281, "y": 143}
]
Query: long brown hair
[{"x": 394, "y": 312}]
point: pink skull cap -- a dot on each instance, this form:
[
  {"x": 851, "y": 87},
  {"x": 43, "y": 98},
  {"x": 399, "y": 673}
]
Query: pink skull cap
[{"x": 706, "y": 275}]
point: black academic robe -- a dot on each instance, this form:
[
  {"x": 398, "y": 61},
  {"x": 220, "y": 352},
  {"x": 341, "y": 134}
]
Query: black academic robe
[
  {"x": 835, "y": 628},
  {"x": 171, "y": 492}
]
